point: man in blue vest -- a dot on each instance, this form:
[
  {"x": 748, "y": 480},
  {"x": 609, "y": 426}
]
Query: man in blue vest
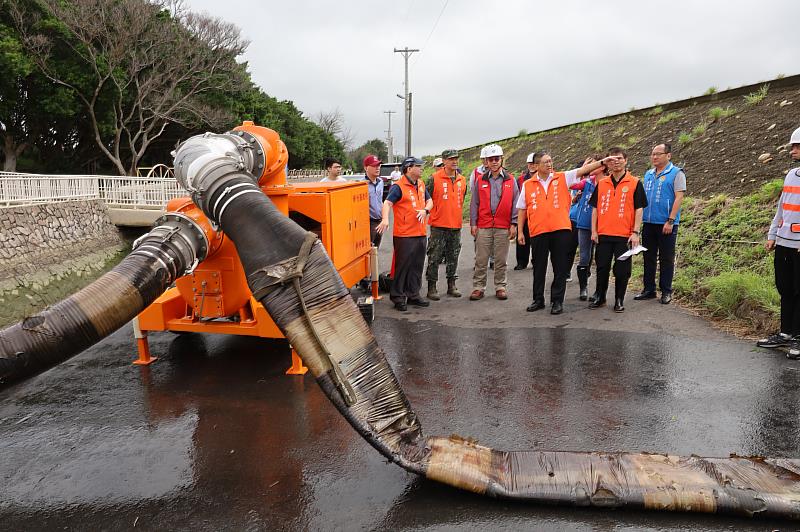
[{"x": 665, "y": 186}]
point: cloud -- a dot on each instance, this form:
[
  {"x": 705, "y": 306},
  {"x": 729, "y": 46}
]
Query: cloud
[{"x": 489, "y": 70}]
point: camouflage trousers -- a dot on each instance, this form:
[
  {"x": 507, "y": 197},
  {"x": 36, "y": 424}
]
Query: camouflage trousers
[{"x": 444, "y": 245}]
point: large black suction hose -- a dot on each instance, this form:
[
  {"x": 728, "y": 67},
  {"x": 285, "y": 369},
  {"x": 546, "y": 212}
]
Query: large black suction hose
[
  {"x": 289, "y": 272},
  {"x": 36, "y": 343}
]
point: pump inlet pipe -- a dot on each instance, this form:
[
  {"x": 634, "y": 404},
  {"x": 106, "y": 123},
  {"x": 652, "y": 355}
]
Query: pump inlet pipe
[
  {"x": 290, "y": 274},
  {"x": 171, "y": 249}
]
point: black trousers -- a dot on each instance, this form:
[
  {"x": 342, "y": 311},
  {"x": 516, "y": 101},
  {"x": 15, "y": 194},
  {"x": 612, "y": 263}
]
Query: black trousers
[
  {"x": 374, "y": 236},
  {"x": 556, "y": 245},
  {"x": 524, "y": 250},
  {"x": 661, "y": 250},
  {"x": 787, "y": 281},
  {"x": 612, "y": 247},
  {"x": 409, "y": 258},
  {"x": 573, "y": 247}
]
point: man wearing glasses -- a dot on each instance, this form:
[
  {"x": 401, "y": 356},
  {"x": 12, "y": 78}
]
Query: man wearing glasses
[
  {"x": 665, "y": 186},
  {"x": 493, "y": 222}
]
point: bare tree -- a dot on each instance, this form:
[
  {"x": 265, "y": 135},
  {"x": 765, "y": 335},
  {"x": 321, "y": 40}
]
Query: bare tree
[
  {"x": 151, "y": 63},
  {"x": 333, "y": 122}
]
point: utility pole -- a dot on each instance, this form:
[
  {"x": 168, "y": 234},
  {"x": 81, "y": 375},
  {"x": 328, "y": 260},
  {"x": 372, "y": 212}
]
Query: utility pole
[
  {"x": 389, "y": 137},
  {"x": 406, "y": 54}
]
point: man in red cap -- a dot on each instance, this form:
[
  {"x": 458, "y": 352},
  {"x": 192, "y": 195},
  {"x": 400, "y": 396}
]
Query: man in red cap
[{"x": 372, "y": 169}]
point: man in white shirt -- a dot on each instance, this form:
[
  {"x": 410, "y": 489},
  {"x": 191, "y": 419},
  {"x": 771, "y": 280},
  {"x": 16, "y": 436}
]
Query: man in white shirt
[
  {"x": 395, "y": 175},
  {"x": 334, "y": 169}
]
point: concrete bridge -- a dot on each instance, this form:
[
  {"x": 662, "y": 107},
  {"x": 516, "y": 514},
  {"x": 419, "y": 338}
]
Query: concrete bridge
[{"x": 132, "y": 201}]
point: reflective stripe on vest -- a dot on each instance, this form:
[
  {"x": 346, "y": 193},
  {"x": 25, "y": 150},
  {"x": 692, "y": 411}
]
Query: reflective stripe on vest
[
  {"x": 448, "y": 200},
  {"x": 501, "y": 219},
  {"x": 547, "y": 211},
  {"x": 405, "y": 210},
  {"x": 615, "y": 212}
]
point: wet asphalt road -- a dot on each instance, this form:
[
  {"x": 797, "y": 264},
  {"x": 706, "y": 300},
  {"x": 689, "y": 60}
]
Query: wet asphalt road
[{"x": 214, "y": 435}]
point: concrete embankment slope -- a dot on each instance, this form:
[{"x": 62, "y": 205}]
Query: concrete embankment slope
[{"x": 49, "y": 251}]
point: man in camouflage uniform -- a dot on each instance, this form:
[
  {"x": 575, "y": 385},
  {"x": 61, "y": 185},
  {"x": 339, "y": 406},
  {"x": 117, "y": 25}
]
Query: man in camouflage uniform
[{"x": 447, "y": 188}]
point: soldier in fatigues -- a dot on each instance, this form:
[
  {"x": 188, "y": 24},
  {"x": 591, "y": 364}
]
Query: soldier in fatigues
[{"x": 447, "y": 188}]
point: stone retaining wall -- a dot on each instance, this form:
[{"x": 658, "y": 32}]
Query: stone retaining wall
[{"x": 45, "y": 244}]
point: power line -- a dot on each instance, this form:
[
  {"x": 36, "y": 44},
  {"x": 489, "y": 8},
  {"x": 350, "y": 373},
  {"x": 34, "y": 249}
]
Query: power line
[{"x": 435, "y": 24}]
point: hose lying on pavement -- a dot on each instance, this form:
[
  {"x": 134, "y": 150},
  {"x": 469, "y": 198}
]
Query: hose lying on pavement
[
  {"x": 289, "y": 272},
  {"x": 77, "y": 322}
]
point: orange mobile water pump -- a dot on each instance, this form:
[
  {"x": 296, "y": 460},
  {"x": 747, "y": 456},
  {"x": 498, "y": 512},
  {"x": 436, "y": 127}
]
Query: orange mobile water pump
[{"x": 215, "y": 298}]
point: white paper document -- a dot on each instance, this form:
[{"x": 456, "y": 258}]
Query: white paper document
[{"x": 631, "y": 252}]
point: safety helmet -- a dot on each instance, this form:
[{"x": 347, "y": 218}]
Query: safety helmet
[
  {"x": 795, "y": 138},
  {"x": 493, "y": 150},
  {"x": 483, "y": 152},
  {"x": 438, "y": 162},
  {"x": 531, "y": 157}
]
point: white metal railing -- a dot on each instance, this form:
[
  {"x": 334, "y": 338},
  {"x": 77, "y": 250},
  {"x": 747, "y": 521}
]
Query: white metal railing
[
  {"x": 18, "y": 189},
  {"x": 150, "y": 191}
]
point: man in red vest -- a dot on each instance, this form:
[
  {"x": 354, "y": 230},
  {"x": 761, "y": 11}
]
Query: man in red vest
[
  {"x": 493, "y": 222},
  {"x": 447, "y": 188},
  {"x": 618, "y": 202},
  {"x": 545, "y": 201},
  {"x": 411, "y": 204}
]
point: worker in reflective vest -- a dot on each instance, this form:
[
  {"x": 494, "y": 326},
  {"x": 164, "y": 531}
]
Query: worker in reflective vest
[
  {"x": 665, "y": 186},
  {"x": 618, "y": 201},
  {"x": 493, "y": 222},
  {"x": 411, "y": 204},
  {"x": 784, "y": 239},
  {"x": 545, "y": 202},
  {"x": 447, "y": 189}
]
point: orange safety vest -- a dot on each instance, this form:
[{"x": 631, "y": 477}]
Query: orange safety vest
[
  {"x": 615, "y": 212},
  {"x": 448, "y": 199},
  {"x": 405, "y": 210},
  {"x": 547, "y": 211}
]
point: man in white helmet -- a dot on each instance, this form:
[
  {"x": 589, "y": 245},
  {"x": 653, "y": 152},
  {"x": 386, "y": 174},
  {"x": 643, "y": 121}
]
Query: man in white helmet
[
  {"x": 493, "y": 222},
  {"x": 784, "y": 238}
]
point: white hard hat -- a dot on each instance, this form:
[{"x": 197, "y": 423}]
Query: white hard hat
[
  {"x": 493, "y": 150},
  {"x": 530, "y": 157},
  {"x": 795, "y": 139},
  {"x": 483, "y": 152},
  {"x": 437, "y": 162}
]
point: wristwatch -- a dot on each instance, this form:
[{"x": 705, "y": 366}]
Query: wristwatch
[
  {"x": 671, "y": 220},
  {"x": 635, "y": 232}
]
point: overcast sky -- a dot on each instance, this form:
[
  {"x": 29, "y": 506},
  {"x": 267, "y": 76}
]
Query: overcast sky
[{"x": 488, "y": 69}]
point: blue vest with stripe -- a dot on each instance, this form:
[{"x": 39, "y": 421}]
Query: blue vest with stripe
[
  {"x": 584, "y": 220},
  {"x": 660, "y": 191}
]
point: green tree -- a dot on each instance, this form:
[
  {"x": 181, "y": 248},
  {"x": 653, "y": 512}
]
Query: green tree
[
  {"x": 374, "y": 147},
  {"x": 143, "y": 65}
]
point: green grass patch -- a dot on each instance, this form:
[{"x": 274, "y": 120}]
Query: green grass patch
[
  {"x": 710, "y": 91},
  {"x": 718, "y": 113},
  {"x": 756, "y": 96},
  {"x": 684, "y": 138},
  {"x": 657, "y": 110},
  {"x": 668, "y": 118},
  {"x": 698, "y": 130}
]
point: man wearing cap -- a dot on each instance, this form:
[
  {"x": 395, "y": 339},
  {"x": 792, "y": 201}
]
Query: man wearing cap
[
  {"x": 447, "y": 189},
  {"x": 493, "y": 222},
  {"x": 523, "y": 242},
  {"x": 411, "y": 204},
  {"x": 372, "y": 170}
]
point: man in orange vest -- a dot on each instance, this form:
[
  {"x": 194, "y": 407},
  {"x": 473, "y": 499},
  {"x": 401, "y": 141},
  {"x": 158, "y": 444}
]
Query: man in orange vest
[
  {"x": 493, "y": 221},
  {"x": 545, "y": 202},
  {"x": 411, "y": 204},
  {"x": 447, "y": 188},
  {"x": 618, "y": 202}
]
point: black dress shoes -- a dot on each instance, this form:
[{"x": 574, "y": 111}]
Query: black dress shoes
[
  {"x": 597, "y": 303},
  {"x": 666, "y": 297},
  {"x": 401, "y": 307},
  {"x": 519, "y": 267},
  {"x": 584, "y": 295},
  {"x": 618, "y": 306},
  {"x": 536, "y": 305},
  {"x": 419, "y": 302},
  {"x": 556, "y": 308},
  {"x": 644, "y": 295}
]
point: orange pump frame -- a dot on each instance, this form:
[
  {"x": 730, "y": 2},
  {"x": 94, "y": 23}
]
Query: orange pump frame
[{"x": 215, "y": 298}]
